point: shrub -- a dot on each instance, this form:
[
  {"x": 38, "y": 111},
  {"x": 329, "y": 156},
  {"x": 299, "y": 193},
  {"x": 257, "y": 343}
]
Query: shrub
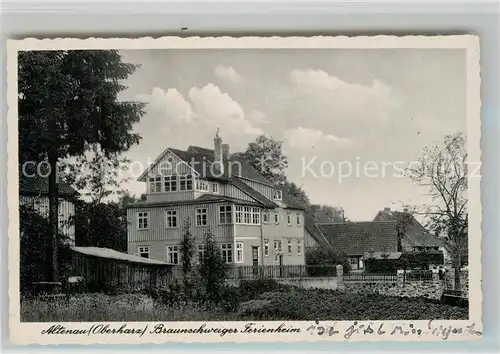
[
  {"x": 326, "y": 257},
  {"x": 213, "y": 269},
  {"x": 36, "y": 249},
  {"x": 250, "y": 289}
]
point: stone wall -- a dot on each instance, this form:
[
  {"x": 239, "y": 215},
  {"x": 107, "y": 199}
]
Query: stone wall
[
  {"x": 432, "y": 289},
  {"x": 464, "y": 280}
]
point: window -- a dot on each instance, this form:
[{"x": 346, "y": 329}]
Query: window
[
  {"x": 173, "y": 254},
  {"x": 215, "y": 188},
  {"x": 289, "y": 246},
  {"x": 201, "y": 217},
  {"x": 256, "y": 216},
  {"x": 142, "y": 220},
  {"x": 227, "y": 252},
  {"x": 299, "y": 247},
  {"x": 202, "y": 186},
  {"x": 155, "y": 184},
  {"x": 166, "y": 167},
  {"x": 277, "y": 246},
  {"x": 266, "y": 248},
  {"x": 225, "y": 214},
  {"x": 143, "y": 251},
  {"x": 354, "y": 262},
  {"x": 247, "y": 215},
  {"x": 276, "y": 217},
  {"x": 185, "y": 182},
  {"x": 298, "y": 219},
  {"x": 201, "y": 252},
  {"x": 170, "y": 183},
  {"x": 289, "y": 219},
  {"x": 239, "y": 214},
  {"x": 278, "y": 194},
  {"x": 171, "y": 221},
  {"x": 265, "y": 216},
  {"x": 239, "y": 252}
]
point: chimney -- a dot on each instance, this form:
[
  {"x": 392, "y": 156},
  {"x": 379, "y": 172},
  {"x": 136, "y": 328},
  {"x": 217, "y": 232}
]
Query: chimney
[
  {"x": 387, "y": 209},
  {"x": 218, "y": 151},
  {"x": 225, "y": 152}
]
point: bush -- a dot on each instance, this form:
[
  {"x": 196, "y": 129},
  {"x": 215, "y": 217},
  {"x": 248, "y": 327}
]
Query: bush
[
  {"x": 326, "y": 257},
  {"x": 250, "y": 289},
  {"x": 36, "y": 250}
]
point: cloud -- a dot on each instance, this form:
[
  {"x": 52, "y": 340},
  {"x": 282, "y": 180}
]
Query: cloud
[
  {"x": 259, "y": 117},
  {"x": 227, "y": 73},
  {"x": 196, "y": 116},
  {"x": 307, "y": 138},
  {"x": 329, "y": 103},
  {"x": 170, "y": 102}
]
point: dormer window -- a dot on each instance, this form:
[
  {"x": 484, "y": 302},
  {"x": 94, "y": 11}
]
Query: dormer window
[
  {"x": 202, "y": 186},
  {"x": 215, "y": 188},
  {"x": 278, "y": 194}
]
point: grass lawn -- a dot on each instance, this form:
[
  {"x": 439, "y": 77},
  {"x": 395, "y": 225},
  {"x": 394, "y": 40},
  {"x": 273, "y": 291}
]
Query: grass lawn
[{"x": 280, "y": 304}]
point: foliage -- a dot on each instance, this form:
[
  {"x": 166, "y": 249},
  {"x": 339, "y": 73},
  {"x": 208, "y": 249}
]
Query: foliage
[
  {"x": 101, "y": 225},
  {"x": 316, "y": 304},
  {"x": 187, "y": 250},
  {"x": 297, "y": 192},
  {"x": 68, "y": 103},
  {"x": 327, "y": 256},
  {"x": 213, "y": 269},
  {"x": 408, "y": 260},
  {"x": 266, "y": 156},
  {"x": 35, "y": 249},
  {"x": 443, "y": 170},
  {"x": 95, "y": 175}
]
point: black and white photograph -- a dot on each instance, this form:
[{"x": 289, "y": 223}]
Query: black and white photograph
[{"x": 246, "y": 180}]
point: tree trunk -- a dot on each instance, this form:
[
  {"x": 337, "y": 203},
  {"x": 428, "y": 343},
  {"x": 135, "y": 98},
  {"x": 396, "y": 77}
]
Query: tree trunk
[
  {"x": 53, "y": 207},
  {"x": 458, "y": 265}
]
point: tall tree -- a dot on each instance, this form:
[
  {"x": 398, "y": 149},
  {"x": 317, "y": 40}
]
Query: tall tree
[
  {"x": 443, "y": 170},
  {"x": 266, "y": 155},
  {"x": 188, "y": 250},
  {"x": 67, "y": 101}
]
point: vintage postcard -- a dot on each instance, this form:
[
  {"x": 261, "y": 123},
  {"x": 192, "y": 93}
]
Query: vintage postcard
[{"x": 244, "y": 189}]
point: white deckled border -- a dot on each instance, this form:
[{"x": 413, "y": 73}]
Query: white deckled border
[{"x": 30, "y": 333}]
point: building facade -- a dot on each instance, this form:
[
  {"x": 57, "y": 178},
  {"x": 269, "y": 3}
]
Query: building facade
[
  {"x": 208, "y": 191},
  {"x": 33, "y": 192}
]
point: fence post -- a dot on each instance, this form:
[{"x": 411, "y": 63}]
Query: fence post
[
  {"x": 340, "y": 276},
  {"x": 400, "y": 277}
]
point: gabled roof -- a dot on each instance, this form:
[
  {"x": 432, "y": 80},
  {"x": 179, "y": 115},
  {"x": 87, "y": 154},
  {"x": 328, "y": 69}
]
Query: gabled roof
[
  {"x": 416, "y": 235},
  {"x": 252, "y": 192},
  {"x": 40, "y": 185},
  {"x": 201, "y": 159},
  {"x": 310, "y": 227},
  {"x": 357, "y": 238}
]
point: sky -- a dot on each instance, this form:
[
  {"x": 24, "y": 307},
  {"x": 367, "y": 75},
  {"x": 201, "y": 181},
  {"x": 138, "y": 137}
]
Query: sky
[{"x": 350, "y": 119}]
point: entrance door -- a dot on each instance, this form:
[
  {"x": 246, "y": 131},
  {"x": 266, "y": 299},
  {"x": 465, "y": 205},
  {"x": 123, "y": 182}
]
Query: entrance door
[{"x": 255, "y": 259}]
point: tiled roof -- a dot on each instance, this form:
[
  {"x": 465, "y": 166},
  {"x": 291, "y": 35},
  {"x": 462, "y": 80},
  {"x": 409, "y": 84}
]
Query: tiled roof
[
  {"x": 40, "y": 185},
  {"x": 236, "y": 166},
  {"x": 252, "y": 192},
  {"x": 357, "y": 238},
  {"x": 416, "y": 234},
  {"x": 310, "y": 227}
]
